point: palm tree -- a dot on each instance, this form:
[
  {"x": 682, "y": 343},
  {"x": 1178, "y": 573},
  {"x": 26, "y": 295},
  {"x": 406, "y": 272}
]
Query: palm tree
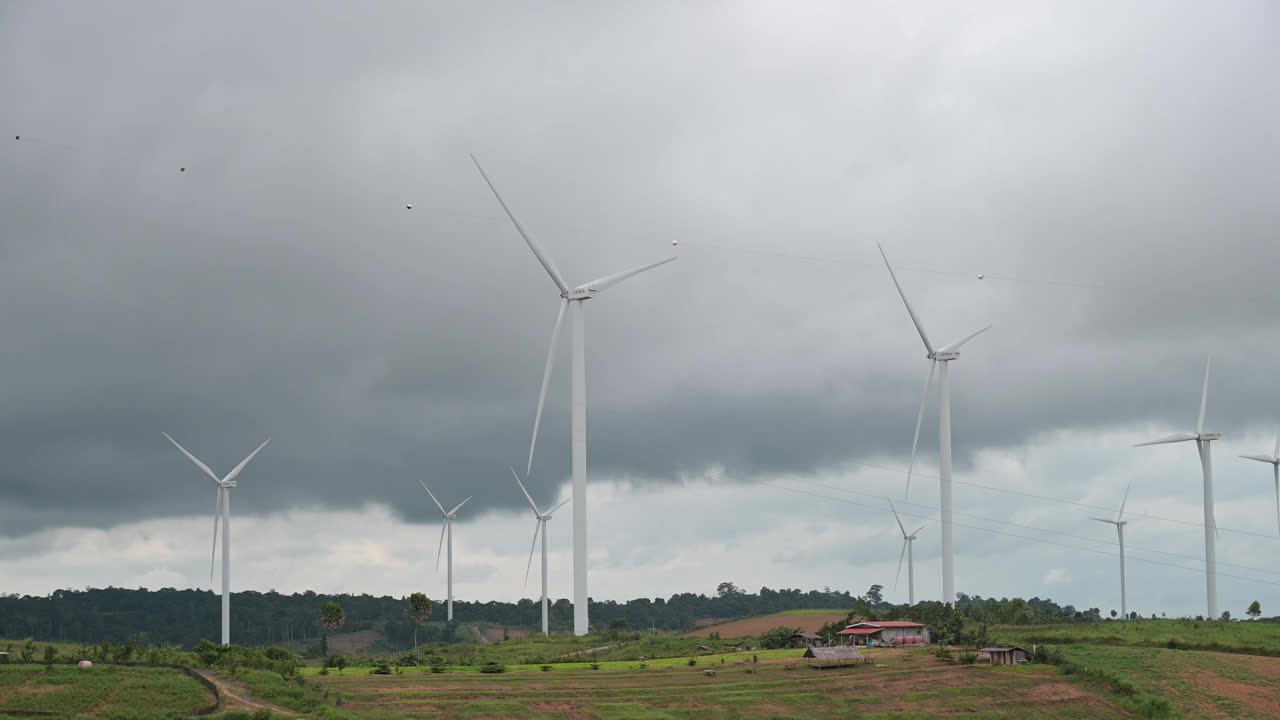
[
  {"x": 332, "y": 618},
  {"x": 418, "y": 608}
]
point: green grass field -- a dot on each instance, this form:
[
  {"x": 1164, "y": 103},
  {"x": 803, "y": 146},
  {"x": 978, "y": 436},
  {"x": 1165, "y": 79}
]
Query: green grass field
[
  {"x": 99, "y": 691},
  {"x": 900, "y": 685},
  {"x": 1245, "y": 637}
]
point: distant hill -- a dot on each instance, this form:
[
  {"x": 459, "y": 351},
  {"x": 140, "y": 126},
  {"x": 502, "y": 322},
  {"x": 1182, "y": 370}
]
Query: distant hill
[{"x": 807, "y": 621}]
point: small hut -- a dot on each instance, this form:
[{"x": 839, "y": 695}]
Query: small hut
[
  {"x": 1008, "y": 655},
  {"x": 825, "y": 657},
  {"x": 4, "y": 658},
  {"x": 807, "y": 639}
]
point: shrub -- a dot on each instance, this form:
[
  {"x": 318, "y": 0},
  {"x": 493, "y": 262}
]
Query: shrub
[
  {"x": 382, "y": 668},
  {"x": 692, "y": 662},
  {"x": 968, "y": 658},
  {"x": 595, "y": 666},
  {"x": 492, "y": 667},
  {"x": 545, "y": 668},
  {"x": 942, "y": 653}
]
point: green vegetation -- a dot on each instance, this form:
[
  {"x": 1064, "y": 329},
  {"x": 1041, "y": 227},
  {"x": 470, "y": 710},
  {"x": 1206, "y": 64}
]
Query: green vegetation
[
  {"x": 1252, "y": 638},
  {"x": 71, "y": 691}
]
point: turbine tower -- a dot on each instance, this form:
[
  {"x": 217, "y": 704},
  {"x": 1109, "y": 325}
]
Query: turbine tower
[
  {"x": 539, "y": 527},
  {"x": 1274, "y": 459},
  {"x": 907, "y": 539},
  {"x": 221, "y": 504},
  {"x": 447, "y": 529},
  {"x": 1203, "y": 439},
  {"x": 943, "y": 355},
  {"x": 570, "y": 298},
  {"x": 1120, "y": 522}
]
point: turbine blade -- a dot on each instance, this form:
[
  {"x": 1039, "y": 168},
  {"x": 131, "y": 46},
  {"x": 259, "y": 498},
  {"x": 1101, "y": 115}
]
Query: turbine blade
[
  {"x": 526, "y": 492},
  {"x": 537, "y": 526},
  {"x": 1109, "y": 522},
  {"x": 901, "y": 555},
  {"x": 608, "y": 281},
  {"x": 1177, "y": 437},
  {"x": 547, "y": 263},
  {"x": 217, "y": 510},
  {"x": 1124, "y": 500},
  {"x": 566, "y": 502},
  {"x": 440, "y": 548},
  {"x": 433, "y": 497},
  {"x": 1260, "y": 458},
  {"x": 232, "y": 475},
  {"x": 546, "y": 380},
  {"x": 920, "y": 328},
  {"x": 1276, "y": 453},
  {"x": 458, "y": 507},
  {"x": 917, "y": 530},
  {"x": 194, "y": 459},
  {"x": 924, "y": 399},
  {"x": 895, "y": 517},
  {"x": 956, "y": 345},
  {"x": 1204, "y": 395}
]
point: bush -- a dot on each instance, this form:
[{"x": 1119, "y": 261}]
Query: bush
[
  {"x": 968, "y": 658},
  {"x": 595, "y": 666},
  {"x": 493, "y": 667},
  {"x": 692, "y": 662},
  {"x": 545, "y": 668},
  {"x": 382, "y": 668},
  {"x": 942, "y": 653}
]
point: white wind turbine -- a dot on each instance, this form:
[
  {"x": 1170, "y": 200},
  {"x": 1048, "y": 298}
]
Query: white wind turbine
[
  {"x": 570, "y": 297},
  {"x": 539, "y": 527},
  {"x": 907, "y": 539},
  {"x": 446, "y": 530},
  {"x": 221, "y": 504},
  {"x": 1203, "y": 439},
  {"x": 1274, "y": 459},
  {"x": 944, "y": 355},
  {"x": 1120, "y": 522}
]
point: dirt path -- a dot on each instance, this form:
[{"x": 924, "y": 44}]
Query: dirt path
[{"x": 235, "y": 696}]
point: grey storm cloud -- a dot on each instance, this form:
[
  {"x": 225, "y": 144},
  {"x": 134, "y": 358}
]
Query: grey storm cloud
[{"x": 1110, "y": 169}]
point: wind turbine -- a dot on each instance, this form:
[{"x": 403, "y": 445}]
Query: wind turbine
[
  {"x": 221, "y": 504},
  {"x": 447, "y": 529},
  {"x": 570, "y": 297},
  {"x": 943, "y": 355},
  {"x": 1203, "y": 439},
  {"x": 539, "y": 527},
  {"x": 1274, "y": 459},
  {"x": 907, "y": 539},
  {"x": 1120, "y": 522}
]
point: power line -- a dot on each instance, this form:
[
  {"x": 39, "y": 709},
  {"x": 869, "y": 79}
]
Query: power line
[
  {"x": 1023, "y": 537},
  {"x": 1043, "y": 530},
  {"x": 1070, "y": 502}
]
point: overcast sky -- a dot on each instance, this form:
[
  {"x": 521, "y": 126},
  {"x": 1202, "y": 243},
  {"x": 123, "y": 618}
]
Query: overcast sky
[{"x": 1109, "y": 168}]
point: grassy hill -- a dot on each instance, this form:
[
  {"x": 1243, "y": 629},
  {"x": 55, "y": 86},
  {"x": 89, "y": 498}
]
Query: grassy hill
[
  {"x": 1253, "y": 638},
  {"x": 805, "y": 620}
]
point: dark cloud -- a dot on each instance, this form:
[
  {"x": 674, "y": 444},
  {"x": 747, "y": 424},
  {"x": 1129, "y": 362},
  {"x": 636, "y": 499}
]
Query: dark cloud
[{"x": 278, "y": 286}]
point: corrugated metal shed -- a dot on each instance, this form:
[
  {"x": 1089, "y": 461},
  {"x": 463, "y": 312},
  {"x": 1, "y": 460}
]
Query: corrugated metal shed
[{"x": 833, "y": 656}]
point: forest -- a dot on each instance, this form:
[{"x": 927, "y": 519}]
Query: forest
[{"x": 184, "y": 617}]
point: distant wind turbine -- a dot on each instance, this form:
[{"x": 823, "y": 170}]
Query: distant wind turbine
[
  {"x": 446, "y": 530},
  {"x": 943, "y": 355},
  {"x": 539, "y": 527},
  {"x": 578, "y": 398},
  {"x": 907, "y": 539},
  {"x": 221, "y": 504},
  {"x": 1120, "y": 522},
  {"x": 1203, "y": 439},
  {"x": 1274, "y": 459}
]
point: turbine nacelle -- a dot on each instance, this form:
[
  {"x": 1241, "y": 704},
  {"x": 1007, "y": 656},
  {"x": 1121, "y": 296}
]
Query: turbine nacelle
[
  {"x": 228, "y": 484},
  {"x": 944, "y": 355},
  {"x": 584, "y": 292}
]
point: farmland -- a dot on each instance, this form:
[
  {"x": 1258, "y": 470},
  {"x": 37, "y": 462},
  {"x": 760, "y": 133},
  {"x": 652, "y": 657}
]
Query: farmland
[
  {"x": 805, "y": 620},
  {"x": 900, "y": 684},
  {"x": 71, "y": 691},
  {"x": 1254, "y": 638}
]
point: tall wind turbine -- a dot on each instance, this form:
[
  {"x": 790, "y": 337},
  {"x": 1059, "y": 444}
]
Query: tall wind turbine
[
  {"x": 907, "y": 539},
  {"x": 943, "y": 355},
  {"x": 539, "y": 527},
  {"x": 446, "y": 530},
  {"x": 570, "y": 298},
  {"x": 1274, "y": 459},
  {"x": 221, "y": 504},
  {"x": 1120, "y": 522},
  {"x": 1203, "y": 439}
]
